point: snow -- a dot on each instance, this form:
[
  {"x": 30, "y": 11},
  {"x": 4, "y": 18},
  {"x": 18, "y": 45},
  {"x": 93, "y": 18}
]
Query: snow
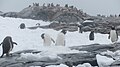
[
  {"x": 87, "y": 21},
  {"x": 103, "y": 61},
  {"x": 61, "y": 65},
  {"x": 31, "y": 39},
  {"x": 84, "y": 65},
  {"x": 115, "y": 55},
  {"x": 38, "y": 57}
]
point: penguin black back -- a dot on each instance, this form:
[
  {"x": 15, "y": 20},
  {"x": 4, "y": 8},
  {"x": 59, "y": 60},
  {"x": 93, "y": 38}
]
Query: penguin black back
[
  {"x": 7, "y": 45},
  {"x": 64, "y": 31},
  {"x": 91, "y": 36}
]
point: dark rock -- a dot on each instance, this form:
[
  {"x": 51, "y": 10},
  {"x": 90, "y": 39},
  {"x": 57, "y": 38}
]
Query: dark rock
[
  {"x": 72, "y": 59},
  {"x": 78, "y": 58},
  {"x": 49, "y": 13},
  {"x": 10, "y": 14},
  {"x": 22, "y": 26},
  {"x": 33, "y": 28},
  {"x": 96, "y": 48}
]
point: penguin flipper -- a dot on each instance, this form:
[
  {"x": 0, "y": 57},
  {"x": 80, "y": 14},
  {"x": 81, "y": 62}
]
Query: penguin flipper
[
  {"x": 53, "y": 40},
  {"x": 109, "y": 36},
  {"x": 117, "y": 34},
  {"x": 1, "y": 43},
  {"x": 14, "y": 43}
]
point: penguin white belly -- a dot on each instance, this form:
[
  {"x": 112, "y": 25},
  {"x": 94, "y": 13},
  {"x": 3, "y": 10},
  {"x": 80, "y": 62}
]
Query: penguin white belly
[
  {"x": 113, "y": 36},
  {"x": 47, "y": 40},
  {"x": 60, "y": 41}
]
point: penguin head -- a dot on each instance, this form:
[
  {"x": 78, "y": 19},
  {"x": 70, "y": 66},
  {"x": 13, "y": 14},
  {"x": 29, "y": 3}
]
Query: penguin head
[
  {"x": 7, "y": 38},
  {"x": 113, "y": 27},
  {"x": 42, "y": 35},
  {"x": 64, "y": 31},
  {"x": 93, "y": 30}
]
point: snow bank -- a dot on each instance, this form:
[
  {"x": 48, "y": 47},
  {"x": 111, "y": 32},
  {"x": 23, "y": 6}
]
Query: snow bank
[
  {"x": 31, "y": 39},
  {"x": 104, "y": 61},
  {"x": 84, "y": 65},
  {"x": 61, "y": 65}
]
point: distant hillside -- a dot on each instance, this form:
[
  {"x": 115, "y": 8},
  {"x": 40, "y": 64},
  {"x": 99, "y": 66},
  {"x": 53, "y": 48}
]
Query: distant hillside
[
  {"x": 1, "y": 12},
  {"x": 50, "y": 12},
  {"x": 62, "y": 16}
]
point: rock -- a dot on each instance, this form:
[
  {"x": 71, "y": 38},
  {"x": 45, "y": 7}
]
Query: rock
[
  {"x": 22, "y": 26},
  {"x": 72, "y": 59},
  {"x": 10, "y": 14},
  {"x": 96, "y": 48},
  {"x": 78, "y": 58},
  {"x": 49, "y": 13}
]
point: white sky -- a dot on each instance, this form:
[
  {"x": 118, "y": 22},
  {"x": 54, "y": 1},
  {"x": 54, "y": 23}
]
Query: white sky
[{"x": 92, "y": 7}]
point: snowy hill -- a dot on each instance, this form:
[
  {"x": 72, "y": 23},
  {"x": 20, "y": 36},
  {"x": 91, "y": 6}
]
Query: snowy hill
[{"x": 31, "y": 39}]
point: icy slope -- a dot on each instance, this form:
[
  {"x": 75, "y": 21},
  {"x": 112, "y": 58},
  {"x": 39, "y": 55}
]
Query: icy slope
[{"x": 31, "y": 39}]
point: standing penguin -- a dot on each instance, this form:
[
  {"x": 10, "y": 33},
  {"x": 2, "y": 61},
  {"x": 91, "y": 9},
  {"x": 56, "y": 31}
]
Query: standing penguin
[
  {"x": 47, "y": 39},
  {"x": 60, "y": 41},
  {"x": 113, "y": 35},
  {"x": 80, "y": 28},
  {"x": 7, "y": 45},
  {"x": 91, "y": 36}
]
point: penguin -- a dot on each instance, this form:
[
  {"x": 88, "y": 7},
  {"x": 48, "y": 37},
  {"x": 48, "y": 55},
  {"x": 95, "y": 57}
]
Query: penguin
[
  {"x": 22, "y": 26},
  {"x": 80, "y": 28},
  {"x": 7, "y": 45},
  {"x": 113, "y": 35},
  {"x": 47, "y": 39},
  {"x": 60, "y": 41},
  {"x": 91, "y": 35}
]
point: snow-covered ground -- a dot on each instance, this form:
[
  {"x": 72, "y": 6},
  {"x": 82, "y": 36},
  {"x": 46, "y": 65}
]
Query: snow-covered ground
[{"x": 31, "y": 39}]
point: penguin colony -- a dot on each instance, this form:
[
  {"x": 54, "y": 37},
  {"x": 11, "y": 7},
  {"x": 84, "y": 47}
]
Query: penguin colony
[{"x": 7, "y": 44}]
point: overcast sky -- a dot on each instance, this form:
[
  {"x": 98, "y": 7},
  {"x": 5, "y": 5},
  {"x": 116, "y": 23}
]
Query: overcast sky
[{"x": 92, "y": 7}]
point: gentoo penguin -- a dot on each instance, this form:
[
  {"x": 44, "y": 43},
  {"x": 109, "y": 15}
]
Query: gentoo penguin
[
  {"x": 47, "y": 39},
  {"x": 7, "y": 45},
  {"x": 91, "y": 35},
  {"x": 113, "y": 35},
  {"x": 60, "y": 41},
  {"x": 80, "y": 28}
]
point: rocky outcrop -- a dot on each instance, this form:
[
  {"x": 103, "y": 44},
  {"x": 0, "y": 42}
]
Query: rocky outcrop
[
  {"x": 49, "y": 13},
  {"x": 1, "y": 12},
  {"x": 65, "y": 16},
  {"x": 73, "y": 59}
]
